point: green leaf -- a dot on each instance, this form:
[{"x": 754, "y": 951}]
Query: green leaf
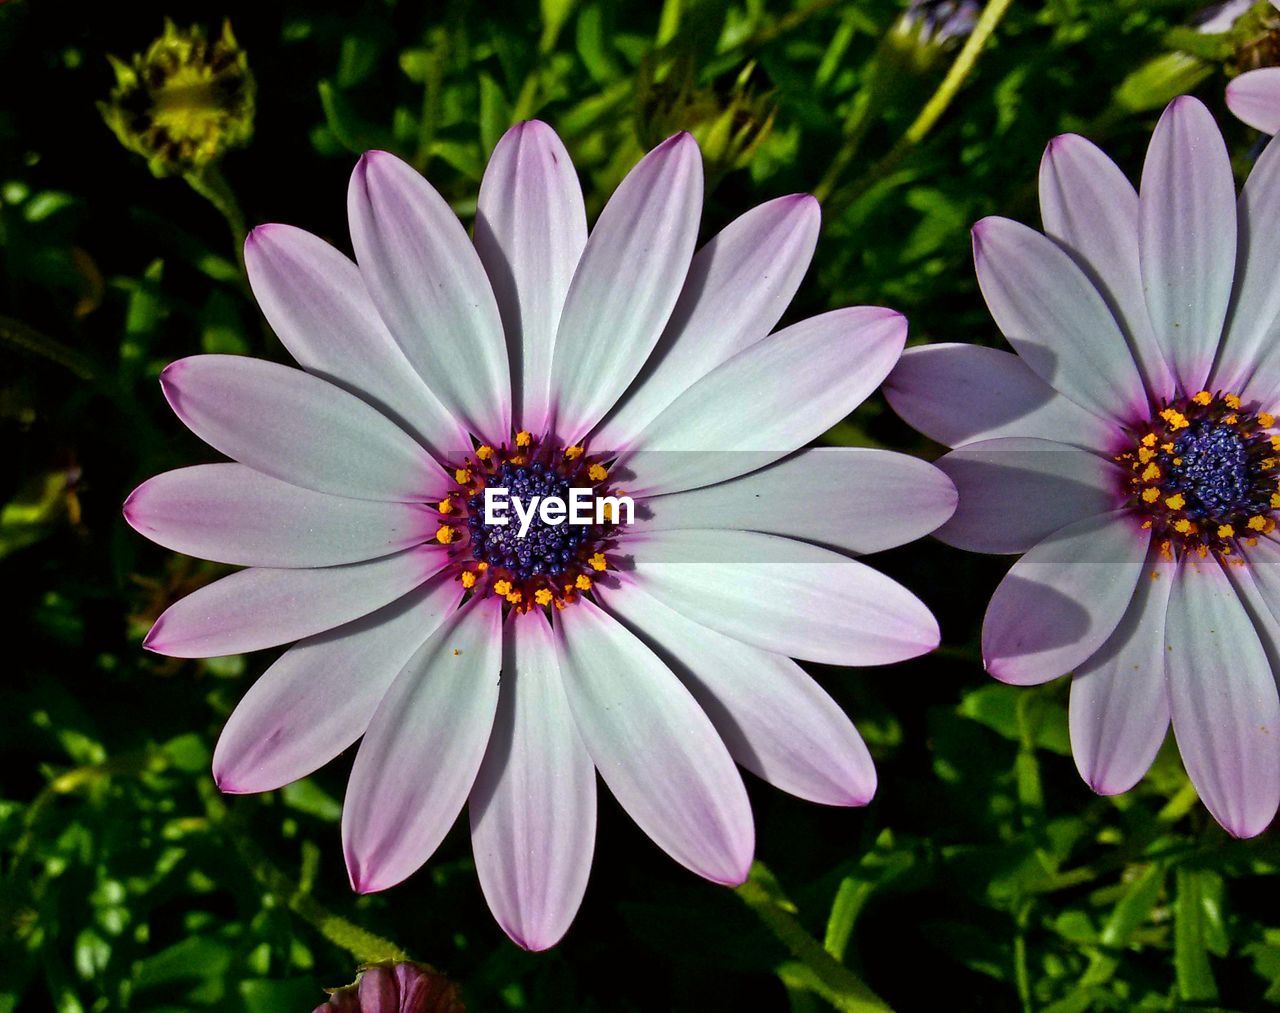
[{"x": 1197, "y": 919}]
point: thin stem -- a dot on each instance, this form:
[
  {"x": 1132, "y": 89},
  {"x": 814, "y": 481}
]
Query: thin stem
[
  {"x": 27, "y": 338},
  {"x": 941, "y": 99},
  {"x": 213, "y": 187},
  {"x": 838, "y": 985}
]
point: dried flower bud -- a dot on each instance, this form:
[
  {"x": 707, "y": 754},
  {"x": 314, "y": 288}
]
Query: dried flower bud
[{"x": 184, "y": 102}]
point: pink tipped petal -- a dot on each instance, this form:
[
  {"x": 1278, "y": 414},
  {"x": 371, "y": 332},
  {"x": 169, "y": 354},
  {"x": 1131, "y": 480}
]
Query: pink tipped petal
[
  {"x": 1092, "y": 210},
  {"x": 656, "y": 750},
  {"x": 1222, "y": 694},
  {"x": 1254, "y": 97},
  {"x": 431, "y": 290},
  {"x": 317, "y": 303},
  {"x": 775, "y": 720},
  {"x": 862, "y": 500},
  {"x": 531, "y": 227},
  {"x": 1119, "y": 697},
  {"x": 298, "y": 428},
  {"x": 738, "y": 287},
  {"x": 1245, "y": 364},
  {"x": 1063, "y": 599},
  {"x": 420, "y": 756},
  {"x": 233, "y": 514},
  {"x": 783, "y": 596},
  {"x": 767, "y": 401},
  {"x": 1187, "y": 223},
  {"x": 262, "y": 607},
  {"x": 959, "y": 394},
  {"x": 1056, "y": 319},
  {"x": 319, "y": 697},
  {"x": 1014, "y": 493},
  {"x": 533, "y": 807},
  {"x": 626, "y": 284}
]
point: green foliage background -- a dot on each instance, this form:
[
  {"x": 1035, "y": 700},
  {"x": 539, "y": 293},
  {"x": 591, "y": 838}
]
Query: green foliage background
[{"x": 985, "y": 875}]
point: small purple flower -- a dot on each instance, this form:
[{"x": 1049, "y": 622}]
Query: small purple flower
[
  {"x": 1129, "y": 450},
  {"x": 1254, "y": 96},
  {"x": 395, "y": 988},
  {"x": 503, "y": 673},
  {"x": 940, "y": 21}
]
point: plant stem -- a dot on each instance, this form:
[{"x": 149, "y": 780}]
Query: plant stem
[
  {"x": 27, "y": 338},
  {"x": 213, "y": 187}
]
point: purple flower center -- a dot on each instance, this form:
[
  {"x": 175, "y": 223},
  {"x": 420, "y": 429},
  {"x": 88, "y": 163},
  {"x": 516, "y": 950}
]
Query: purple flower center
[
  {"x": 543, "y": 548},
  {"x": 1203, "y": 473}
]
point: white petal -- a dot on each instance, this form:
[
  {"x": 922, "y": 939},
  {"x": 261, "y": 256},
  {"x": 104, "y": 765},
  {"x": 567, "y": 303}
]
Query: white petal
[
  {"x": 851, "y": 499},
  {"x": 1254, "y": 97},
  {"x": 776, "y": 721},
  {"x": 531, "y": 227},
  {"x": 655, "y": 748},
  {"x": 533, "y": 807},
  {"x": 419, "y": 758}
]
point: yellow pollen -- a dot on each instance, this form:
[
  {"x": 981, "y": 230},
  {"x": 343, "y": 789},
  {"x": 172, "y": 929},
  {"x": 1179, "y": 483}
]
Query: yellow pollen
[
  {"x": 1233, "y": 402},
  {"x": 1146, "y": 525},
  {"x": 1225, "y": 531},
  {"x": 485, "y": 452},
  {"x": 1175, "y": 419},
  {"x": 445, "y": 506},
  {"x": 1145, "y": 454},
  {"x": 597, "y": 473},
  {"x": 1204, "y": 398},
  {"x": 1275, "y": 443},
  {"x": 1151, "y": 473},
  {"x": 1167, "y": 448},
  {"x": 524, "y": 438},
  {"x": 1268, "y": 463},
  {"x": 583, "y": 583},
  {"x": 1275, "y": 501},
  {"x": 445, "y": 534},
  {"x": 514, "y": 597},
  {"x": 1177, "y": 460},
  {"x": 1266, "y": 420},
  {"x": 597, "y": 561},
  {"x": 482, "y": 566},
  {"x": 573, "y": 453},
  {"x": 502, "y": 587},
  {"x": 1257, "y": 522},
  {"x": 1150, "y": 495},
  {"x": 542, "y": 596},
  {"x": 1149, "y": 440},
  {"x": 462, "y": 475},
  {"x": 559, "y": 605},
  {"x": 607, "y": 510},
  {"x": 1231, "y": 419},
  {"x": 1202, "y": 551},
  {"x": 568, "y": 589},
  {"x": 468, "y": 579},
  {"x": 1183, "y": 527}
]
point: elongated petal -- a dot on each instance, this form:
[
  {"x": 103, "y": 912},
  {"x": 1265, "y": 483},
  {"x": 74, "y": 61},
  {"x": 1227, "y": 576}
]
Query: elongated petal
[
  {"x": 1119, "y": 698},
  {"x": 1222, "y": 694},
  {"x": 1252, "y": 326},
  {"x": 298, "y": 428},
  {"x": 852, "y": 499},
  {"x": 784, "y": 596},
  {"x": 1092, "y": 210},
  {"x": 1254, "y": 97},
  {"x": 264, "y": 607},
  {"x": 320, "y": 696},
  {"x": 1063, "y": 599},
  {"x": 233, "y": 514},
  {"x": 420, "y": 756},
  {"x": 775, "y": 720},
  {"x": 533, "y": 807},
  {"x": 627, "y": 283},
  {"x": 531, "y": 227},
  {"x": 317, "y": 303},
  {"x": 738, "y": 287},
  {"x": 959, "y": 394},
  {"x": 1056, "y": 319},
  {"x": 1014, "y": 493},
  {"x": 767, "y": 401},
  {"x": 431, "y": 290},
  {"x": 1187, "y": 218},
  {"x": 655, "y": 748}
]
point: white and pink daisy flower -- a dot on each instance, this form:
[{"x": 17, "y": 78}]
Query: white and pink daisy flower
[
  {"x": 1129, "y": 450},
  {"x": 1254, "y": 96},
  {"x": 503, "y": 673}
]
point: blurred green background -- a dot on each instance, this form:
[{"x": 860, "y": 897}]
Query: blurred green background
[{"x": 985, "y": 875}]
